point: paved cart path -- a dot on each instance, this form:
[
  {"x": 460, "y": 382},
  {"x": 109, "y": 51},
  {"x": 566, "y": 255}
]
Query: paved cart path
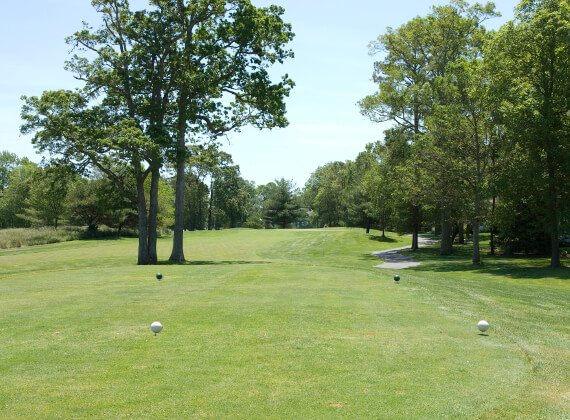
[{"x": 397, "y": 261}]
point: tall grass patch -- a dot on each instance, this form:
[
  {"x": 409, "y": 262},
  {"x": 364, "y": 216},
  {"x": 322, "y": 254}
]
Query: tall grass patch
[{"x": 15, "y": 238}]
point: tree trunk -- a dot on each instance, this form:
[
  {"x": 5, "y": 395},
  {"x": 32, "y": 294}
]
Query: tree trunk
[
  {"x": 493, "y": 227},
  {"x": 143, "y": 258},
  {"x": 415, "y": 228},
  {"x": 415, "y": 240},
  {"x": 177, "y": 254},
  {"x": 152, "y": 215},
  {"x": 200, "y": 216},
  {"x": 553, "y": 203},
  {"x": 210, "y": 215},
  {"x": 554, "y": 245},
  {"x": 446, "y": 247},
  {"x": 476, "y": 258}
]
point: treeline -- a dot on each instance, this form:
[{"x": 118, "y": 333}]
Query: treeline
[
  {"x": 216, "y": 197},
  {"x": 480, "y": 127}
]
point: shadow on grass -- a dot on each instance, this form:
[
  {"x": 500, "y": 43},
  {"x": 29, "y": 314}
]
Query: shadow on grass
[
  {"x": 167, "y": 262},
  {"x": 88, "y": 237},
  {"x": 369, "y": 257},
  {"x": 460, "y": 261},
  {"x": 379, "y": 238}
]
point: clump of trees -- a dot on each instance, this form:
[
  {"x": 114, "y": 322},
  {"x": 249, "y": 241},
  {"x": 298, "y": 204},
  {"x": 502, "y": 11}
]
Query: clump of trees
[
  {"x": 480, "y": 131},
  {"x": 479, "y": 135},
  {"x": 216, "y": 197}
]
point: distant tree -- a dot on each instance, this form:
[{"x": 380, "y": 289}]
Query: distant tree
[
  {"x": 196, "y": 197},
  {"x": 8, "y": 161},
  {"x": 359, "y": 205},
  {"x": 216, "y": 161},
  {"x": 96, "y": 201},
  {"x": 323, "y": 193},
  {"x": 255, "y": 215},
  {"x": 281, "y": 203},
  {"x": 14, "y": 199},
  {"x": 378, "y": 184},
  {"x": 47, "y": 196},
  {"x": 233, "y": 197},
  {"x": 87, "y": 202}
]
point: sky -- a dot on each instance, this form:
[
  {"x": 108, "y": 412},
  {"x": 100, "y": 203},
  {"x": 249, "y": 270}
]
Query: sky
[{"x": 332, "y": 71}]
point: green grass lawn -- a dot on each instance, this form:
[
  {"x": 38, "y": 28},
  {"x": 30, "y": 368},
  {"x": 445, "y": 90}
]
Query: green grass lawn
[{"x": 280, "y": 324}]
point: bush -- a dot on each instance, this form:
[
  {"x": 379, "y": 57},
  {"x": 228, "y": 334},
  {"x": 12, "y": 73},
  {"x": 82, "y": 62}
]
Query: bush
[{"x": 520, "y": 230}]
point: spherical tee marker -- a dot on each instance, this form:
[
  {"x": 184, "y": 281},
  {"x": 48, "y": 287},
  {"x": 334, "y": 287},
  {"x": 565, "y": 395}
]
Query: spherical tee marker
[
  {"x": 156, "y": 327},
  {"x": 159, "y": 276},
  {"x": 396, "y": 278},
  {"x": 483, "y": 325}
]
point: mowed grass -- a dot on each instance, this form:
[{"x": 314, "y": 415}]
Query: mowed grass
[{"x": 279, "y": 324}]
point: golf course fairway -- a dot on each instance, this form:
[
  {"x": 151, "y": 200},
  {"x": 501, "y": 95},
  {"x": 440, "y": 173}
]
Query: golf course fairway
[{"x": 280, "y": 324}]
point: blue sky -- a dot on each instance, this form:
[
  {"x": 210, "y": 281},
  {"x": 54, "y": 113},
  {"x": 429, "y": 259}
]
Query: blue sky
[{"x": 331, "y": 69}]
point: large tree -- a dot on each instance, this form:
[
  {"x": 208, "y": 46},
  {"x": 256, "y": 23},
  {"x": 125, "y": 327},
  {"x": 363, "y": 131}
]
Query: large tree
[
  {"x": 412, "y": 82},
  {"x": 222, "y": 82},
  {"x": 463, "y": 131},
  {"x": 101, "y": 136},
  {"x": 404, "y": 96},
  {"x": 532, "y": 74},
  {"x": 154, "y": 79}
]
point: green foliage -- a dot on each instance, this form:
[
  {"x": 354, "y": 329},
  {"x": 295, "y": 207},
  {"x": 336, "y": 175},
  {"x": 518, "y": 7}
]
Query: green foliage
[
  {"x": 530, "y": 72},
  {"x": 281, "y": 204},
  {"x": 14, "y": 200},
  {"x": 323, "y": 194},
  {"x": 479, "y": 118},
  {"x": 96, "y": 201},
  {"x": 233, "y": 197},
  {"x": 47, "y": 196},
  {"x": 159, "y": 77},
  {"x": 8, "y": 161},
  {"x": 196, "y": 203}
]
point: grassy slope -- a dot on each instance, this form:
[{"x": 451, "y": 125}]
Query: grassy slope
[{"x": 279, "y": 324}]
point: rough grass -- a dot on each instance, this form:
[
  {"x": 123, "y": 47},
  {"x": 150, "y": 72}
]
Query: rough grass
[
  {"x": 16, "y": 238},
  {"x": 279, "y": 324}
]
